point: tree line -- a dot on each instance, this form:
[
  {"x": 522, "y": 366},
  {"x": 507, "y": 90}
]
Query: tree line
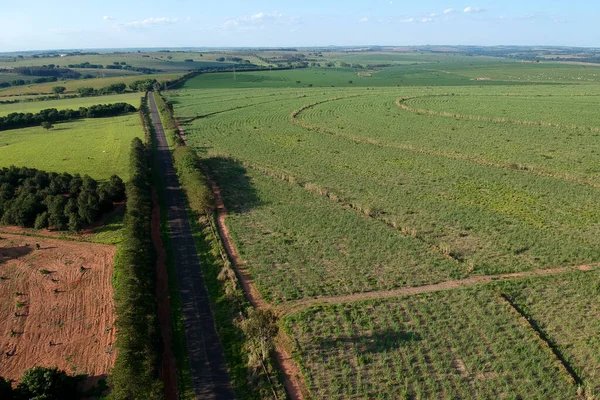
[
  {"x": 50, "y": 115},
  {"x": 38, "y": 199},
  {"x": 135, "y": 374}
]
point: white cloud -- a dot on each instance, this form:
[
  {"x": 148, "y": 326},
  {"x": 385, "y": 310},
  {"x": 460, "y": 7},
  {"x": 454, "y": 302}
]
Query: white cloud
[
  {"x": 363, "y": 19},
  {"x": 153, "y": 21},
  {"x": 425, "y": 20},
  {"x": 108, "y": 18},
  {"x": 259, "y": 20},
  {"x": 407, "y": 20},
  {"x": 473, "y": 10},
  {"x": 448, "y": 11},
  {"x": 433, "y": 15}
]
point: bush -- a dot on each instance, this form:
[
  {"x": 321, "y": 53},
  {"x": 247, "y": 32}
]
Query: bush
[{"x": 47, "y": 383}]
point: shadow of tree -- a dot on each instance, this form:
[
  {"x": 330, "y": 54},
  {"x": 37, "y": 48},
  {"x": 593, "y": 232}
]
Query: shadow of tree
[
  {"x": 378, "y": 342},
  {"x": 12, "y": 253},
  {"x": 239, "y": 195}
]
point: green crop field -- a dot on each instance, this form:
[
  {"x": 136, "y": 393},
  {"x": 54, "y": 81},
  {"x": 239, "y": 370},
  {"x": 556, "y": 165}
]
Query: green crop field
[
  {"x": 343, "y": 185},
  {"x": 96, "y": 147},
  {"x": 74, "y": 104},
  {"x": 463, "y": 344}
]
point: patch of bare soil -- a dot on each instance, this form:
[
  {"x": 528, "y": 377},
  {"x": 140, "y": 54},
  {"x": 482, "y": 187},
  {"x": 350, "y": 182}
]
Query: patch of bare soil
[
  {"x": 168, "y": 366},
  {"x": 56, "y": 306}
]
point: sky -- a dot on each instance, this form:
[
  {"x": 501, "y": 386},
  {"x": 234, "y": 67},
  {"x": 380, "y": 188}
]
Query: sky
[{"x": 86, "y": 24}]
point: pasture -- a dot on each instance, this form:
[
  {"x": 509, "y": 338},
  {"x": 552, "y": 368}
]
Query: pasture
[
  {"x": 96, "y": 147},
  {"x": 73, "y": 104},
  {"x": 415, "y": 175}
]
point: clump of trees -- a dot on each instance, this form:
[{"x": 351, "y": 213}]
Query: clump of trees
[
  {"x": 38, "y": 199},
  {"x": 135, "y": 374},
  {"x": 23, "y": 120},
  {"x": 48, "y": 70},
  {"x": 42, "y": 384},
  {"x": 144, "y": 85}
]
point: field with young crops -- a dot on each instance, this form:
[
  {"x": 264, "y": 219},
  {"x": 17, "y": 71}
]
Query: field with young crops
[
  {"x": 72, "y": 104},
  {"x": 97, "y": 147},
  {"x": 462, "y": 344},
  {"x": 435, "y": 177}
]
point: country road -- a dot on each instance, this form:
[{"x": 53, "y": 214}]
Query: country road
[{"x": 209, "y": 372}]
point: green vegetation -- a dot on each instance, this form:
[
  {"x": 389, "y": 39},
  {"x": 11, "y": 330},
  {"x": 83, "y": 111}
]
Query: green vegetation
[
  {"x": 95, "y": 83},
  {"x": 135, "y": 374},
  {"x": 42, "y": 383},
  {"x": 458, "y": 344},
  {"x": 95, "y": 147},
  {"x": 71, "y": 103},
  {"x": 47, "y": 116},
  {"x": 432, "y": 169},
  {"x": 567, "y": 311},
  {"x": 252, "y": 371},
  {"x": 33, "y": 198}
]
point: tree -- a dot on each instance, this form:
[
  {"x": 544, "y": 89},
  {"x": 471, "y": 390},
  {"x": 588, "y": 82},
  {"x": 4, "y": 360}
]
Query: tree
[
  {"x": 47, "y": 383},
  {"x": 260, "y": 328},
  {"x": 47, "y": 125},
  {"x": 58, "y": 89}
]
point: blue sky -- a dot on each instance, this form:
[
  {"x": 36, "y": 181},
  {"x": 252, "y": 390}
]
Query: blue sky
[{"x": 43, "y": 24}]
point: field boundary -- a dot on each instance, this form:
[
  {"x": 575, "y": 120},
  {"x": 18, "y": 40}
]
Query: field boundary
[{"x": 295, "y": 306}]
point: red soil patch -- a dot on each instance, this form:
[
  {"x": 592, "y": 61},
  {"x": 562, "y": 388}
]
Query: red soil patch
[
  {"x": 62, "y": 317},
  {"x": 168, "y": 366}
]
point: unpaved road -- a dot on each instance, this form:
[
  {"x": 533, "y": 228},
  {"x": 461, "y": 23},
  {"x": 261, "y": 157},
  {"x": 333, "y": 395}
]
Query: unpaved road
[{"x": 209, "y": 373}]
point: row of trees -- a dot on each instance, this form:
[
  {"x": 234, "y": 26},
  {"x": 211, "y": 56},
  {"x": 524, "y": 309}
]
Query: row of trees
[
  {"x": 22, "y": 120},
  {"x": 22, "y": 82},
  {"x": 135, "y": 374},
  {"x": 40, "y": 199},
  {"x": 47, "y": 70}
]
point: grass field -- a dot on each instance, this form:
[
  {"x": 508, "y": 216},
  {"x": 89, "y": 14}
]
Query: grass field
[
  {"x": 96, "y": 147},
  {"x": 73, "y": 85},
  {"x": 415, "y": 175},
  {"x": 74, "y": 104}
]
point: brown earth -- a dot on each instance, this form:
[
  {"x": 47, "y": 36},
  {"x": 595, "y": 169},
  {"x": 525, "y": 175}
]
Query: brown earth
[
  {"x": 56, "y": 306},
  {"x": 168, "y": 366}
]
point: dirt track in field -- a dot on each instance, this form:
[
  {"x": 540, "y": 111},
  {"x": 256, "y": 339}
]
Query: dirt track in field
[
  {"x": 56, "y": 306},
  {"x": 291, "y": 307}
]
